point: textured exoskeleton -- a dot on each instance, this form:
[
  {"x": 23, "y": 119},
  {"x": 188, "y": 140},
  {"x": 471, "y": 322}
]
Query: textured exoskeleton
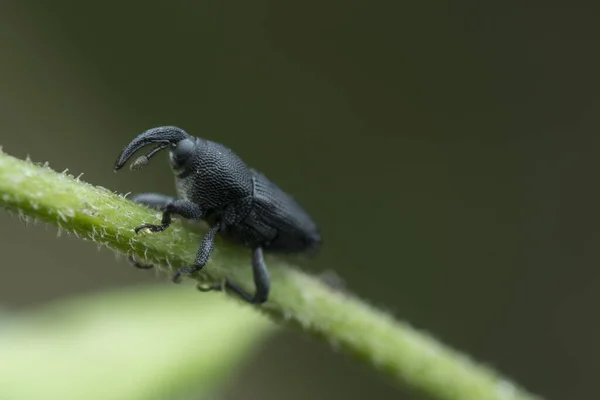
[{"x": 237, "y": 202}]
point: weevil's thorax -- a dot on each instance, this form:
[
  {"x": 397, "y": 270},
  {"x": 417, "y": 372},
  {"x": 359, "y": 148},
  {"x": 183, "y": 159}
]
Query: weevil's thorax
[{"x": 211, "y": 176}]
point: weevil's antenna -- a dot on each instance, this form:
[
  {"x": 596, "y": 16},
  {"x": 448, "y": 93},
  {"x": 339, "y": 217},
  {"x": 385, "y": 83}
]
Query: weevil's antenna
[
  {"x": 143, "y": 160},
  {"x": 163, "y": 135}
]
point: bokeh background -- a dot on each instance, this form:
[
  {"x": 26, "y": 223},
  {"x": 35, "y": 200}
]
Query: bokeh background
[{"x": 448, "y": 150}]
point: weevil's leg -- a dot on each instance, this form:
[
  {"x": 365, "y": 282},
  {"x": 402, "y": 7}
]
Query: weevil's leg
[
  {"x": 185, "y": 208},
  {"x": 208, "y": 242},
  {"x": 262, "y": 281},
  {"x": 138, "y": 264},
  {"x": 156, "y": 201}
]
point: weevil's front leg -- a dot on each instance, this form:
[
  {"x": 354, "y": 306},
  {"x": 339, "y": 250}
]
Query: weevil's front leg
[
  {"x": 184, "y": 208},
  {"x": 262, "y": 281},
  {"x": 155, "y": 201},
  {"x": 208, "y": 242}
]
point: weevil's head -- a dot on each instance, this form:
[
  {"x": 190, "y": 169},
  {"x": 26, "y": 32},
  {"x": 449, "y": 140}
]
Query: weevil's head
[{"x": 181, "y": 147}]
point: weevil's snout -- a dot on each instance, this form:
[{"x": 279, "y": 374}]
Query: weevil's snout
[
  {"x": 181, "y": 152},
  {"x": 162, "y": 136}
]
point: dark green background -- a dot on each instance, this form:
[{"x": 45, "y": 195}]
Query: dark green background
[{"x": 448, "y": 151}]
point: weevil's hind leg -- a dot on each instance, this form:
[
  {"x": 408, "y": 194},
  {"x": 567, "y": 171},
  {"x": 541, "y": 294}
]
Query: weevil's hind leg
[
  {"x": 184, "y": 208},
  {"x": 208, "y": 242},
  {"x": 262, "y": 281},
  {"x": 156, "y": 201},
  {"x": 139, "y": 265}
]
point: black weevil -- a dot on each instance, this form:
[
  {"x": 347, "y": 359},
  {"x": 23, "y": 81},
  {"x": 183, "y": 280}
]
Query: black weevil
[{"x": 213, "y": 184}]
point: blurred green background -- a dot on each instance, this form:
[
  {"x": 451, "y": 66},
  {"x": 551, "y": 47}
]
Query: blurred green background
[{"x": 447, "y": 150}]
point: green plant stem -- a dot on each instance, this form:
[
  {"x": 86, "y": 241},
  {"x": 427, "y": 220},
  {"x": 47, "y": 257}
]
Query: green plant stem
[{"x": 410, "y": 358}]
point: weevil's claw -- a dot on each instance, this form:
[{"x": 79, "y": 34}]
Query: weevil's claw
[
  {"x": 138, "y": 264},
  {"x": 151, "y": 228},
  {"x": 176, "y": 277},
  {"x": 184, "y": 271}
]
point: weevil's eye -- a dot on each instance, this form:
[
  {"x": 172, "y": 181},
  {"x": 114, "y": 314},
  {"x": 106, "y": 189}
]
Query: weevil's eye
[{"x": 182, "y": 151}]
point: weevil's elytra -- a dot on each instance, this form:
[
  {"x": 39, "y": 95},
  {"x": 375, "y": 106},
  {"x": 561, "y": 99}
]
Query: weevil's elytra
[{"x": 239, "y": 203}]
